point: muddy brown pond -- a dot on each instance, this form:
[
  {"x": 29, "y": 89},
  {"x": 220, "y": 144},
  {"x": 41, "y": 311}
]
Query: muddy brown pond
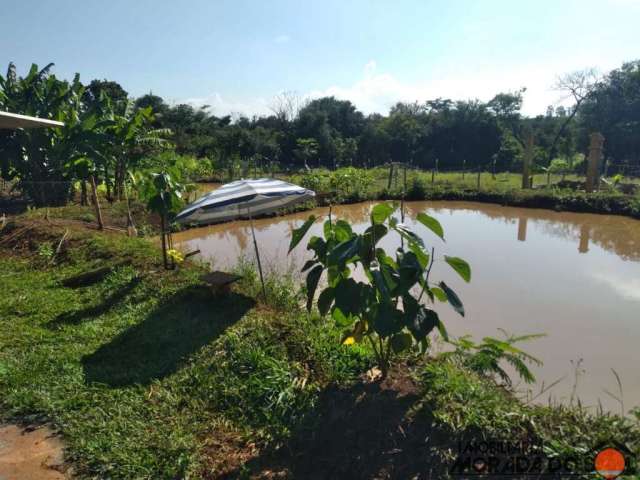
[{"x": 574, "y": 277}]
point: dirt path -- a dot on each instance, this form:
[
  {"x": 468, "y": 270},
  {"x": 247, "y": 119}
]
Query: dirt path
[{"x": 30, "y": 453}]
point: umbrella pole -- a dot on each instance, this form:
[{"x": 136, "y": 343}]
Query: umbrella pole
[{"x": 255, "y": 245}]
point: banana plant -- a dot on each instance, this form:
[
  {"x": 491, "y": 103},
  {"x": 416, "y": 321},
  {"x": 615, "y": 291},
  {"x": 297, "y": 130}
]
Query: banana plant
[
  {"x": 36, "y": 158},
  {"x": 164, "y": 197},
  {"x": 131, "y": 139},
  {"x": 385, "y": 308}
]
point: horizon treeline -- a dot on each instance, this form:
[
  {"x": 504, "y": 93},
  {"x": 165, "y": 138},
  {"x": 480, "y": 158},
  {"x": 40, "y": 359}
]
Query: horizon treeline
[
  {"x": 471, "y": 134},
  {"x": 447, "y": 134}
]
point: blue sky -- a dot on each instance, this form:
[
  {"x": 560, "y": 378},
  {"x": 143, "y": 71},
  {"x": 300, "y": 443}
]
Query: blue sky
[{"x": 236, "y": 55}]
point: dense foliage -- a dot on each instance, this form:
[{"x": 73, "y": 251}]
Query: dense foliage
[{"x": 441, "y": 134}]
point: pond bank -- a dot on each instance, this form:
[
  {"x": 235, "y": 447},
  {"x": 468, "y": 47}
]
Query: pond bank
[{"x": 147, "y": 376}]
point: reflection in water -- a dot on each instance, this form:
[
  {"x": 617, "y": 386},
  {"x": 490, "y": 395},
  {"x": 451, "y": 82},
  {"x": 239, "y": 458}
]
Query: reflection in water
[
  {"x": 575, "y": 277},
  {"x": 522, "y": 229},
  {"x": 584, "y": 238}
]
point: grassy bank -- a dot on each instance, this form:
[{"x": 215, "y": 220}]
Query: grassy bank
[
  {"x": 148, "y": 376},
  {"x": 352, "y": 185},
  {"x": 551, "y": 192}
]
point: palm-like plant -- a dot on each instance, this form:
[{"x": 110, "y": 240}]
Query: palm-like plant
[
  {"x": 486, "y": 358},
  {"x": 132, "y": 138}
]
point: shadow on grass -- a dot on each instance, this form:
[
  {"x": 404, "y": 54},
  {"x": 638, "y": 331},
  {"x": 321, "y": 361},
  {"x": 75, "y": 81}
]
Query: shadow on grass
[
  {"x": 366, "y": 431},
  {"x": 76, "y": 317},
  {"x": 156, "y": 346}
]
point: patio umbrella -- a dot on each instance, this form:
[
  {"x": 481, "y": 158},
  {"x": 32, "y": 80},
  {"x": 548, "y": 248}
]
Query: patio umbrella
[{"x": 244, "y": 199}]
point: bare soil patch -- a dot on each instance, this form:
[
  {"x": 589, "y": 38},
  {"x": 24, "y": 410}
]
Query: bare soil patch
[{"x": 32, "y": 452}]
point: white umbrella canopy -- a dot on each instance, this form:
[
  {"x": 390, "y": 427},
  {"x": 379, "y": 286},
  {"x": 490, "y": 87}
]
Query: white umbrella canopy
[
  {"x": 243, "y": 199},
  {"x": 14, "y": 120}
]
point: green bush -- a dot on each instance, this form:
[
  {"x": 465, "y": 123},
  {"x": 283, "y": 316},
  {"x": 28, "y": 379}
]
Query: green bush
[{"x": 382, "y": 309}]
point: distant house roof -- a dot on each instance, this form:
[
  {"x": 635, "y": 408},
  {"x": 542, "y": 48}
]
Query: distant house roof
[{"x": 13, "y": 120}]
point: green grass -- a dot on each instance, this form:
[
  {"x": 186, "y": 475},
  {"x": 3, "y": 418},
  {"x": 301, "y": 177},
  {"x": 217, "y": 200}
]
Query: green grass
[
  {"x": 139, "y": 368},
  {"x": 148, "y": 376}
]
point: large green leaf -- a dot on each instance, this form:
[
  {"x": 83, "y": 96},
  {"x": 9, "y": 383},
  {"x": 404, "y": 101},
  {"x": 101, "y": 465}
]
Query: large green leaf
[
  {"x": 317, "y": 245},
  {"x": 298, "y": 233},
  {"x": 376, "y": 232},
  {"x": 438, "y": 293},
  {"x": 443, "y": 331},
  {"x": 347, "y": 296},
  {"x": 368, "y": 240},
  {"x": 453, "y": 298},
  {"x": 344, "y": 251},
  {"x": 381, "y": 212},
  {"x": 312, "y": 283},
  {"x": 410, "y": 270},
  {"x": 380, "y": 283},
  {"x": 401, "y": 342},
  {"x": 341, "y": 319},
  {"x": 327, "y": 228},
  {"x": 423, "y": 323},
  {"x": 408, "y": 235},
  {"x": 308, "y": 264},
  {"x": 387, "y": 320},
  {"x": 325, "y": 299},
  {"x": 460, "y": 266},
  {"x": 342, "y": 231},
  {"x": 421, "y": 255},
  {"x": 431, "y": 223}
]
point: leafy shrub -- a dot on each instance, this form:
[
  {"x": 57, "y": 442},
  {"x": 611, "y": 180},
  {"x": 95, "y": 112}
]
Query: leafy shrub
[
  {"x": 315, "y": 181},
  {"x": 348, "y": 181},
  {"x": 371, "y": 310},
  {"x": 418, "y": 189}
]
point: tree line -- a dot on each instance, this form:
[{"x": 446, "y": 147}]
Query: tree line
[{"x": 108, "y": 134}]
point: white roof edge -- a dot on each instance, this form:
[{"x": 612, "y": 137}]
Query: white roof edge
[{"x": 15, "y": 120}]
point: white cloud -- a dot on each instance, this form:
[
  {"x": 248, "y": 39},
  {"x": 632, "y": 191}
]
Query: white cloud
[
  {"x": 377, "y": 91},
  {"x": 627, "y": 288},
  {"x": 282, "y": 39},
  {"x": 221, "y": 106}
]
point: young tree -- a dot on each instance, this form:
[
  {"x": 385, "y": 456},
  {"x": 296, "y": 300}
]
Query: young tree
[
  {"x": 307, "y": 148},
  {"x": 381, "y": 308},
  {"x": 577, "y": 86}
]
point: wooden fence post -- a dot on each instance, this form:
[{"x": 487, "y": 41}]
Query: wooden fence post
[
  {"x": 593, "y": 167},
  {"x": 526, "y": 162}
]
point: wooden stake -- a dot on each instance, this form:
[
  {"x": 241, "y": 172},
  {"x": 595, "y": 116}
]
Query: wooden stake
[
  {"x": 255, "y": 245},
  {"x": 164, "y": 241}
]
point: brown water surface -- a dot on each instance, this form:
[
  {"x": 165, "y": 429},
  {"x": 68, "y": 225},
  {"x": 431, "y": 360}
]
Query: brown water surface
[{"x": 574, "y": 277}]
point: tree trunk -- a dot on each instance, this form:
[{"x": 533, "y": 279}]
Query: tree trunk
[
  {"x": 107, "y": 184},
  {"x": 96, "y": 202},
  {"x": 83, "y": 193}
]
